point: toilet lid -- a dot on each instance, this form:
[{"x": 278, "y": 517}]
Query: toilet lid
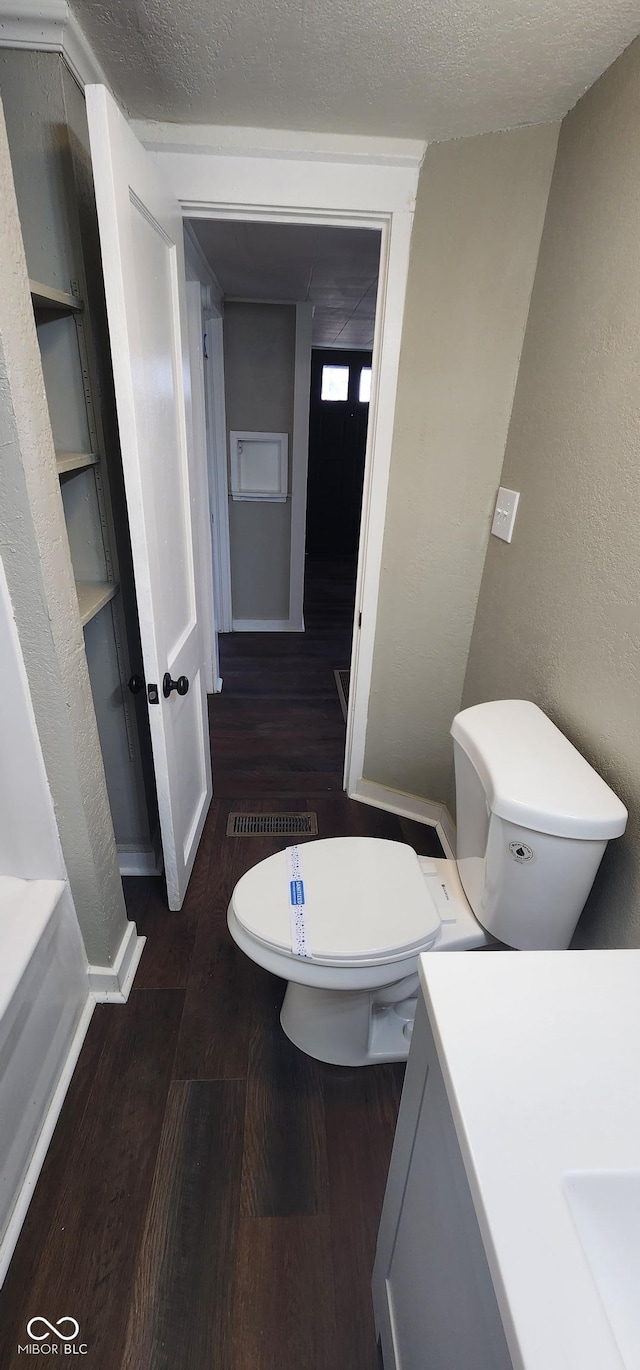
[{"x": 365, "y": 900}]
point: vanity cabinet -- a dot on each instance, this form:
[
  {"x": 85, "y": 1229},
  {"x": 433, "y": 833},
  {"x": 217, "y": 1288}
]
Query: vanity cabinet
[{"x": 434, "y": 1301}]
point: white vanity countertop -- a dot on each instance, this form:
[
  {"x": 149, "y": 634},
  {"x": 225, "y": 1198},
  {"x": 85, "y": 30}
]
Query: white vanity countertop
[{"x": 541, "y": 1057}]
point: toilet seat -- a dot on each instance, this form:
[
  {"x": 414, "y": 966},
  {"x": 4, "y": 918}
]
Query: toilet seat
[{"x": 366, "y": 901}]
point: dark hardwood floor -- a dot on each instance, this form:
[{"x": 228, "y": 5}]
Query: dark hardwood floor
[{"x": 211, "y": 1195}]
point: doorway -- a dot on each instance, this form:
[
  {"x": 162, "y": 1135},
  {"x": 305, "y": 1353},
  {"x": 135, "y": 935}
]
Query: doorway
[
  {"x": 348, "y": 186},
  {"x": 297, "y": 305},
  {"x": 338, "y": 421},
  {"x": 290, "y": 178}
]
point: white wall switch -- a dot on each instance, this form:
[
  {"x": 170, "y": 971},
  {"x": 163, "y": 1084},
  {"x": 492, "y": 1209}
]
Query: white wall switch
[{"x": 505, "y": 515}]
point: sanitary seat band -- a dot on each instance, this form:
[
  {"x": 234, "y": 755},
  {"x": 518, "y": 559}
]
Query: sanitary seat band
[{"x": 297, "y": 904}]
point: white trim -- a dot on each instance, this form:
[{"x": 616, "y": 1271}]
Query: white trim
[
  {"x": 300, "y": 457},
  {"x": 226, "y": 140},
  {"x": 385, "y": 359},
  {"x": 138, "y": 861},
  {"x": 51, "y": 26},
  {"x": 268, "y": 625},
  {"x": 292, "y": 180},
  {"x": 360, "y": 191},
  {"x": 80, "y": 57},
  {"x": 199, "y": 269},
  {"x": 425, "y": 811},
  {"x": 36, "y": 1163},
  {"x": 347, "y": 197},
  {"x": 199, "y": 485},
  {"x": 30, "y": 24},
  {"x": 218, "y": 473},
  {"x": 112, "y": 984}
]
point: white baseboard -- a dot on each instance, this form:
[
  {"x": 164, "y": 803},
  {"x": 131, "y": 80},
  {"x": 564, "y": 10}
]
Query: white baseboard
[
  {"x": 42, "y": 1145},
  {"x": 107, "y": 984},
  {"x": 112, "y": 984},
  {"x": 267, "y": 625},
  {"x": 410, "y": 806}
]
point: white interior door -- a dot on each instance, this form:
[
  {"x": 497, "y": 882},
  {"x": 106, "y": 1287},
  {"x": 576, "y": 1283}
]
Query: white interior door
[{"x": 143, "y": 262}]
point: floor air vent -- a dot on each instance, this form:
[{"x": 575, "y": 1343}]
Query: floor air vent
[{"x": 272, "y": 825}]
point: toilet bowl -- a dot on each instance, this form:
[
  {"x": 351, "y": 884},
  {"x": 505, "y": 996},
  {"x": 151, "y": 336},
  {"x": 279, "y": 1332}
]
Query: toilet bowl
[
  {"x": 371, "y": 907},
  {"x": 343, "y": 920}
]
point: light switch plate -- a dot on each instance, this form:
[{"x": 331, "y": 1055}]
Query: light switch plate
[{"x": 505, "y": 515}]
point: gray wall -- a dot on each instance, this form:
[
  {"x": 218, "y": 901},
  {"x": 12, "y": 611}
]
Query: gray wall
[
  {"x": 259, "y": 359},
  {"x": 479, "y": 217},
  {"x": 558, "y": 618},
  {"x": 40, "y": 579}
]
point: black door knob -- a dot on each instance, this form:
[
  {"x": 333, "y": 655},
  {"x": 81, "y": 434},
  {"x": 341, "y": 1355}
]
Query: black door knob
[
  {"x": 181, "y": 685},
  {"x": 135, "y": 684}
]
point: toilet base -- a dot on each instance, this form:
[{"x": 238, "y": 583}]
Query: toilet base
[{"x": 352, "y": 1027}]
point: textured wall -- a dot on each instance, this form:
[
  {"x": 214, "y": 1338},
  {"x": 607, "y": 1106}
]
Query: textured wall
[
  {"x": 29, "y": 839},
  {"x": 40, "y": 580},
  {"x": 476, "y": 234},
  {"x": 558, "y": 610},
  {"x": 259, "y": 358}
]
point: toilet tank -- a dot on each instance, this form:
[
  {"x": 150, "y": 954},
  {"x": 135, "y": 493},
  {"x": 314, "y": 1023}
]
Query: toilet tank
[{"x": 533, "y": 820}]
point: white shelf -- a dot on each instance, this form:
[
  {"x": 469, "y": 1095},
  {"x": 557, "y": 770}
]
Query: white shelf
[
  {"x": 93, "y": 595},
  {"x": 75, "y": 461},
  {"x": 46, "y": 297}
]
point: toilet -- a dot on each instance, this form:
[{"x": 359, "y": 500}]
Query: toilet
[{"x": 343, "y": 920}]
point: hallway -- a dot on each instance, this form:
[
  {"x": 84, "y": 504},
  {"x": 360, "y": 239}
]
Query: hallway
[{"x": 211, "y": 1195}]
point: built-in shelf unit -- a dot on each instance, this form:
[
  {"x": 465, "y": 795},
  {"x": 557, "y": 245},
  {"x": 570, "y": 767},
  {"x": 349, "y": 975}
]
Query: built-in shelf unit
[
  {"x": 47, "y": 298},
  {"x": 92, "y": 597},
  {"x": 51, "y": 305},
  {"x": 64, "y": 332},
  {"x": 45, "y": 117},
  {"x": 75, "y": 461}
]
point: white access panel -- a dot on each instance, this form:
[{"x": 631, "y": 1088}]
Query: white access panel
[{"x": 259, "y": 466}]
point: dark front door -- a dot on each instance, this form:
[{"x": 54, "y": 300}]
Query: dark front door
[{"x": 337, "y": 441}]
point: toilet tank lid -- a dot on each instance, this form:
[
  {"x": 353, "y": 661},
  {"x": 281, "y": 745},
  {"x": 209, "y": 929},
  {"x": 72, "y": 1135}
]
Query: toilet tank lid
[{"x": 533, "y": 775}]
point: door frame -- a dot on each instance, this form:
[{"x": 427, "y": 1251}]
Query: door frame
[
  {"x": 203, "y": 558},
  {"x": 276, "y": 177},
  {"x": 218, "y": 480},
  {"x": 198, "y": 269},
  {"x": 300, "y": 461}
]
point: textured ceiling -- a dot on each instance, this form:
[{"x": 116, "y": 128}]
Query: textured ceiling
[
  {"x": 430, "y": 69},
  {"x": 335, "y": 268}
]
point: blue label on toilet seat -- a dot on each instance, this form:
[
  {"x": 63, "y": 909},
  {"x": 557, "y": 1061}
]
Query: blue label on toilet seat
[{"x": 297, "y": 904}]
